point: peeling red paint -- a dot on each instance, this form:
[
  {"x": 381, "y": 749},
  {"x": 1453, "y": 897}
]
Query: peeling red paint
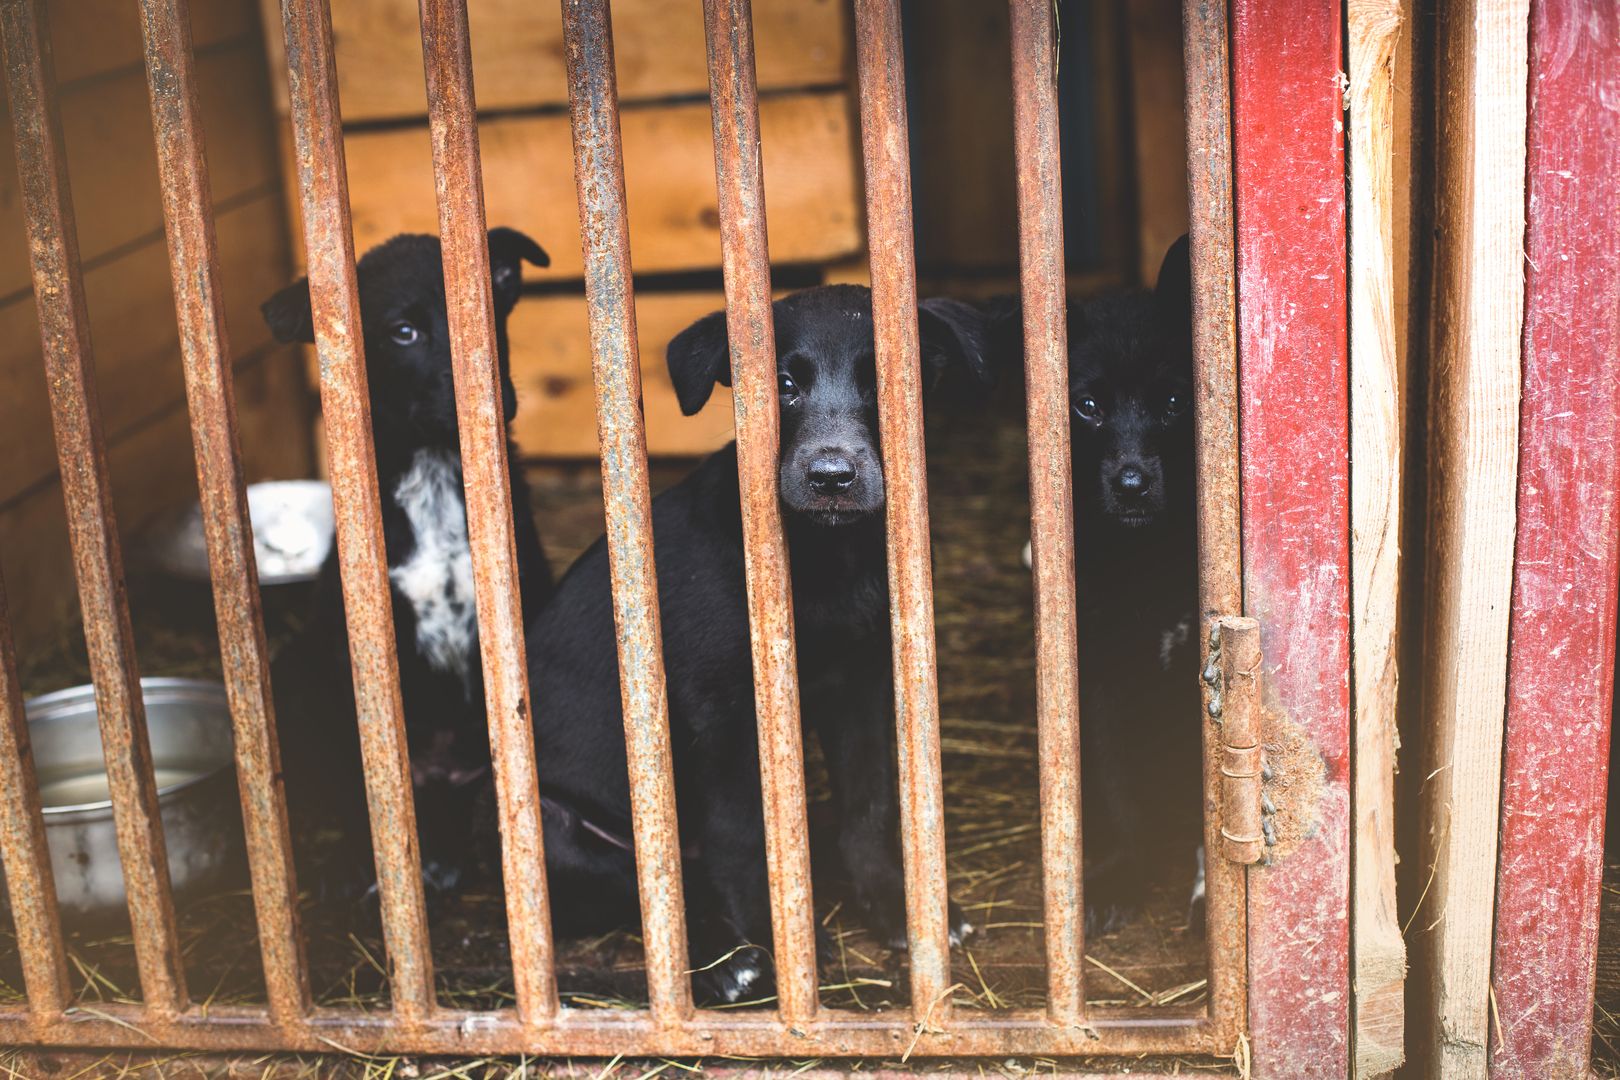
[
  {"x": 1289, "y": 159},
  {"x": 1561, "y": 651}
]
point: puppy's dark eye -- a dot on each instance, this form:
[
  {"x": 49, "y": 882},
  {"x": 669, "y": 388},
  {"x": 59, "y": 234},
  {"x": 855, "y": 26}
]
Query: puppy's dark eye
[
  {"x": 1175, "y": 405},
  {"x": 786, "y": 387},
  {"x": 404, "y": 333},
  {"x": 1088, "y": 409}
]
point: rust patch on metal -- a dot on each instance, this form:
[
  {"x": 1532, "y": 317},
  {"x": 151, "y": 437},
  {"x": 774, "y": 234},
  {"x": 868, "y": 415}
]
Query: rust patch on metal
[
  {"x": 739, "y": 178},
  {"x": 1046, "y": 367},
  {"x": 362, "y": 559},
  {"x": 593, "y": 101},
  {"x": 30, "y": 887},
  {"x": 1215, "y": 420},
  {"x": 458, "y": 177},
  {"x": 881, "y": 67}
]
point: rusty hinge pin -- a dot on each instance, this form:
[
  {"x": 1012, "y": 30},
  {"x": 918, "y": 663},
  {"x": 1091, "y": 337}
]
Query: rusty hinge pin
[{"x": 1234, "y": 702}]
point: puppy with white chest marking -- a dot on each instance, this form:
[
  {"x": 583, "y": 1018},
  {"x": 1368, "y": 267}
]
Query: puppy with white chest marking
[
  {"x": 1136, "y": 576},
  {"x": 418, "y": 450},
  {"x": 832, "y": 496},
  {"x": 1135, "y": 493}
]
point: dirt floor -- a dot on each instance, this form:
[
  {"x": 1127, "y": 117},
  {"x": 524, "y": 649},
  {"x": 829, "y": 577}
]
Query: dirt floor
[{"x": 983, "y": 600}]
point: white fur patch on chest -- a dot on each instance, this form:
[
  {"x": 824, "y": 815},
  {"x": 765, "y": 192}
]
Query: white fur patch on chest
[
  {"x": 437, "y": 578},
  {"x": 1173, "y": 639}
]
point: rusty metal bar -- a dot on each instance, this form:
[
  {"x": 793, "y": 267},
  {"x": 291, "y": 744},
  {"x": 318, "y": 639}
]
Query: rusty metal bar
[
  {"x": 30, "y": 888},
  {"x": 81, "y": 452},
  {"x": 1051, "y": 498},
  {"x": 362, "y": 560},
  {"x": 834, "y": 1033},
  {"x": 205, "y": 351},
  {"x": 740, "y": 181},
  {"x": 880, "y": 62},
  {"x": 593, "y": 101},
  {"x": 458, "y": 174},
  {"x": 1215, "y": 419}
]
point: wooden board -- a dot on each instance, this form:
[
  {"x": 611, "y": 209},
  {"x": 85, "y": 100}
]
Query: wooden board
[
  {"x": 1377, "y": 410},
  {"x": 1289, "y": 186},
  {"x": 965, "y": 197},
  {"x": 518, "y": 55},
  {"x": 551, "y": 367},
  {"x": 1561, "y": 660},
  {"x": 93, "y": 37},
  {"x": 113, "y": 165},
  {"x": 1159, "y": 129},
  {"x": 152, "y": 470},
  {"x": 810, "y": 183},
  {"x": 137, "y": 350},
  {"x": 1473, "y": 457}
]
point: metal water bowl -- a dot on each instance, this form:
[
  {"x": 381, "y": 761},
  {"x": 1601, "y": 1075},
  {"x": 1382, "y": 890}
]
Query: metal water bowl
[
  {"x": 292, "y": 532},
  {"x": 190, "y": 728}
]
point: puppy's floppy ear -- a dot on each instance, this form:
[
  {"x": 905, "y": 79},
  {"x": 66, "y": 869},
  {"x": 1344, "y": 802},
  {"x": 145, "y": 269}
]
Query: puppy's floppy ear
[
  {"x": 508, "y": 251},
  {"x": 1173, "y": 293},
  {"x": 699, "y": 357},
  {"x": 955, "y": 338},
  {"x": 1004, "y": 333},
  {"x": 288, "y": 314}
]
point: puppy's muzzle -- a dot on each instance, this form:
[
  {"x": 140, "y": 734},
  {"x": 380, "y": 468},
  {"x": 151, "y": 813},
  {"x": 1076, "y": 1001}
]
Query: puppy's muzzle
[{"x": 831, "y": 474}]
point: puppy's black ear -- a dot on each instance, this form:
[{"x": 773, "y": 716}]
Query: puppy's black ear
[
  {"x": 288, "y": 315},
  {"x": 1174, "y": 291},
  {"x": 955, "y": 338},
  {"x": 1004, "y": 333},
  {"x": 699, "y": 357},
  {"x": 508, "y": 251}
]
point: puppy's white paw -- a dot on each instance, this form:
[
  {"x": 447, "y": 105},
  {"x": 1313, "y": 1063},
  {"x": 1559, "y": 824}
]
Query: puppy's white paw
[
  {"x": 743, "y": 975},
  {"x": 961, "y": 932}
]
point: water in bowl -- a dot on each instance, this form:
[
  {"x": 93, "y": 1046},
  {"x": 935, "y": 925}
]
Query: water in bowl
[{"x": 78, "y": 786}]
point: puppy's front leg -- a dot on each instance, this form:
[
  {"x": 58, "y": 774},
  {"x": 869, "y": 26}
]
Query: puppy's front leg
[
  {"x": 731, "y": 936},
  {"x": 859, "y": 747}
]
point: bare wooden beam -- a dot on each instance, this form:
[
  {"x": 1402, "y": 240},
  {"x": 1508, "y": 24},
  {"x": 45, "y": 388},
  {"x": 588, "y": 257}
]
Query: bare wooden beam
[
  {"x": 1378, "y": 953},
  {"x": 1473, "y": 465}
]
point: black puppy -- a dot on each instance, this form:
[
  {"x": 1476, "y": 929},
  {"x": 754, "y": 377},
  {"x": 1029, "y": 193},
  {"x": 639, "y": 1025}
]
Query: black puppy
[
  {"x": 413, "y": 417},
  {"x": 832, "y": 493},
  {"x": 1130, "y": 391}
]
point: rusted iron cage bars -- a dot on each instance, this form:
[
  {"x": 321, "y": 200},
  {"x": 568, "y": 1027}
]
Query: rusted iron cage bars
[
  {"x": 64, "y": 325},
  {"x": 740, "y": 182},
  {"x": 669, "y": 1026},
  {"x": 593, "y": 101},
  {"x": 1051, "y": 500},
  {"x": 206, "y": 356},
  {"x": 458, "y": 174},
  {"x": 880, "y": 64},
  {"x": 1212, "y": 237},
  {"x": 362, "y": 561}
]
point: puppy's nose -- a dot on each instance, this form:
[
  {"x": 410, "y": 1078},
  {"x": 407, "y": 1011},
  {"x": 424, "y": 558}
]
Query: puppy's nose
[
  {"x": 1132, "y": 481},
  {"x": 831, "y": 474}
]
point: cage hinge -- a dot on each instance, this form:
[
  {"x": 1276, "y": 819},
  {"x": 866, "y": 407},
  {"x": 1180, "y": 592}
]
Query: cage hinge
[{"x": 1231, "y": 678}]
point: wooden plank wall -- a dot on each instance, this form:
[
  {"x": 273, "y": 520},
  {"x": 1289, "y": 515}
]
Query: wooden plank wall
[
  {"x": 811, "y": 177},
  {"x": 1561, "y": 651},
  {"x": 1288, "y": 122},
  {"x": 113, "y": 168},
  {"x": 1159, "y": 129}
]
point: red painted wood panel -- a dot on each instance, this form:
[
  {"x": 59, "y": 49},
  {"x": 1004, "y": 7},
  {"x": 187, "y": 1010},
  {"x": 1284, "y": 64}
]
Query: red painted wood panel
[
  {"x": 1288, "y": 124},
  {"x": 1561, "y": 648}
]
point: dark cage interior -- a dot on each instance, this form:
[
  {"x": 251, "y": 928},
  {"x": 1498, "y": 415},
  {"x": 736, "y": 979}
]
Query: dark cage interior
[{"x": 1118, "y": 77}]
